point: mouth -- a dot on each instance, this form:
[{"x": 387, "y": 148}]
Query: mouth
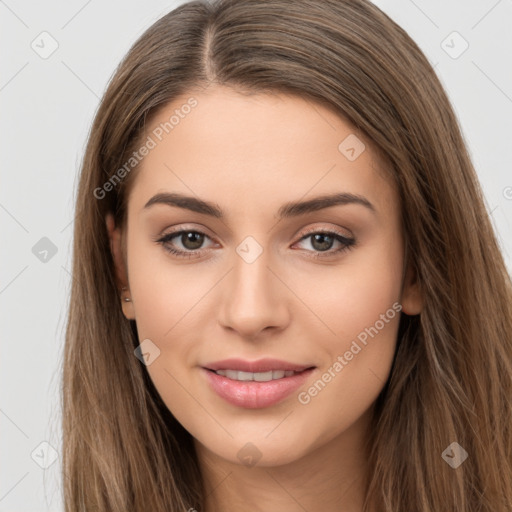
[
  {"x": 255, "y": 376},
  {"x": 260, "y": 366},
  {"x": 254, "y": 385}
]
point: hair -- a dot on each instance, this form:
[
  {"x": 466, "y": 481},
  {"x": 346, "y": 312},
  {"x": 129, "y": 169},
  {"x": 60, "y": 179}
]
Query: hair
[{"x": 451, "y": 378}]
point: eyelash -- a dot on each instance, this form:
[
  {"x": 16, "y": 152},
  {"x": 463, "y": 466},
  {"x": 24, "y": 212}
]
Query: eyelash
[{"x": 347, "y": 243}]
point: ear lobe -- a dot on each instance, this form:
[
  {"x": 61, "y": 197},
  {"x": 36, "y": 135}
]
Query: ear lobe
[{"x": 412, "y": 299}]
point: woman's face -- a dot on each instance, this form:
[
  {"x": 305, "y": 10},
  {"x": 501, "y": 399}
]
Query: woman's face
[{"x": 267, "y": 274}]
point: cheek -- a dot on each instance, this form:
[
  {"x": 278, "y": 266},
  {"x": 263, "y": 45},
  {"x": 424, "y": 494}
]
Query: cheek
[
  {"x": 363, "y": 309},
  {"x": 167, "y": 295},
  {"x": 354, "y": 295},
  {"x": 168, "y": 304},
  {"x": 357, "y": 363}
]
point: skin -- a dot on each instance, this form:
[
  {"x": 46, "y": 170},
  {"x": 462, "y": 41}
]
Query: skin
[{"x": 250, "y": 155}]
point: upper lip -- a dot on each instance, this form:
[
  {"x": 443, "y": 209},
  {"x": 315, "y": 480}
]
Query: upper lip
[{"x": 261, "y": 365}]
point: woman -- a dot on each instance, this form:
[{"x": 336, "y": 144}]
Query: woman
[{"x": 287, "y": 291}]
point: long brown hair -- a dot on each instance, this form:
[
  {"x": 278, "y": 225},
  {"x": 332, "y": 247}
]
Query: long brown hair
[{"x": 451, "y": 379}]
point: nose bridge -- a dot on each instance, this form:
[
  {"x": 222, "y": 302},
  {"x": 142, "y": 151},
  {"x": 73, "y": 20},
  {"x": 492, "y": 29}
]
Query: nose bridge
[
  {"x": 253, "y": 298},
  {"x": 251, "y": 277}
]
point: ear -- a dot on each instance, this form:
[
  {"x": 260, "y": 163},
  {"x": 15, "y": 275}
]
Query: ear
[
  {"x": 412, "y": 299},
  {"x": 116, "y": 248}
]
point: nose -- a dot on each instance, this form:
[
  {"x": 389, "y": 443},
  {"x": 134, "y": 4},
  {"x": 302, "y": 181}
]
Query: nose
[{"x": 253, "y": 299}]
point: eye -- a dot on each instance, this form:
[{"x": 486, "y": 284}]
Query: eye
[
  {"x": 322, "y": 242},
  {"x": 190, "y": 240}
]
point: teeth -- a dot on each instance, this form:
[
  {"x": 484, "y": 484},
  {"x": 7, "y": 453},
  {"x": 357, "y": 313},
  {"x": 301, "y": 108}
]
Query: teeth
[
  {"x": 266, "y": 376},
  {"x": 232, "y": 374},
  {"x": 258, "y": 376}
]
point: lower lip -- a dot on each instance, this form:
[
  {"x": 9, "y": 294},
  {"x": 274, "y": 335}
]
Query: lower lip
[{"x": 253, "y": 394}]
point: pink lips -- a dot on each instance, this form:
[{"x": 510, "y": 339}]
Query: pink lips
[{"x": 252, "y": 394}]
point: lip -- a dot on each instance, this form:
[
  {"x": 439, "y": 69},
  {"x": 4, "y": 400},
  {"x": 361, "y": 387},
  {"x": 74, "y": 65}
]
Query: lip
[
  {"x": 254, "y": 394},
  {"x": 261, "y": 365}
]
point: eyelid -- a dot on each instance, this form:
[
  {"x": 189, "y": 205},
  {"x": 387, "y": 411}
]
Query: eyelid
[
  {"x": 198, "y": 228},
  {"x": 322, "y": 229}
]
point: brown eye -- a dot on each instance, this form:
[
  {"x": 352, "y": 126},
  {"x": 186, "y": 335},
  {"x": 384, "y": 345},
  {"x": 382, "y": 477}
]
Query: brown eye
[
  {"x": 192, "y": 240},
  {"x": 321, "y": 243},
  {"x": 184, "y": 243}
]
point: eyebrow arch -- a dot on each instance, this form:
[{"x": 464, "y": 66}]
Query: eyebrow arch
[{"x": 290, "y": 209}]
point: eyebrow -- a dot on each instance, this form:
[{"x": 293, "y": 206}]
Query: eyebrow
[{"x": 290, "y": 209}]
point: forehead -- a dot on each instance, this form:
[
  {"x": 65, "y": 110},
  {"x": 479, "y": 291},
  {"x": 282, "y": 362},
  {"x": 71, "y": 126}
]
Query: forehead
[{"x": 249, "y": 151}]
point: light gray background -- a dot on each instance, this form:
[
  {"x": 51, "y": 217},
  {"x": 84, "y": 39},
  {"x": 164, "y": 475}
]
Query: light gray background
[{"x": 47, "y": 106}]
